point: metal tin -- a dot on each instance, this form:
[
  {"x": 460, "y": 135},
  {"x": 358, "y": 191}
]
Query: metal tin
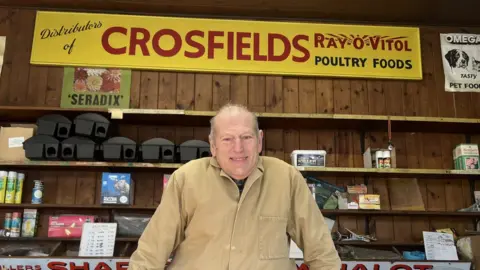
[{"x": 37, "y": 192}]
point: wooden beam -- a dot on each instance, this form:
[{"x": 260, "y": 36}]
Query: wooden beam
[{"x": 411, "y": 12}]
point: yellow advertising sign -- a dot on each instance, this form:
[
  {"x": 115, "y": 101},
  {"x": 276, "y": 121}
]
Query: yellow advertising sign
[{"x": 230, "y": 46}]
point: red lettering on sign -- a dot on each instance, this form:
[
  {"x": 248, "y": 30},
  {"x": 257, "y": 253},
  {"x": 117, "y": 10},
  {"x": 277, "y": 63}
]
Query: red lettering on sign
[
  {"x": 102, "y": 266},
  {"x": 374, "y": 41},
  {"x": 57, "y": 265},
  {"x": 105, "y": 40},
  {"x": 241, "y": 45},
  {"x": 85, "y": 266},
  {"x": 422, "y": 266},
  {"x": 30, "y": 267},
  {"x": 303, "y": 267},
  {"x": 196, "y": 44},
  {"x": 359, "y": 42},
  {"x": 256, "y": 49},
  {"x": 212, "y": 45},
  {"x": 299, "y": 47},
  {"x": 177, "y": 42},
  {"x": 401, "y": 266},
  {"x": 121, "y": 266},
  {"x": 139, "y": 41},
  {"x": 271, "y": 49},
  {"x": 200, "y": 50},
  {"x": 230, "y": 42},
  {"x": 359, "y": 267}
]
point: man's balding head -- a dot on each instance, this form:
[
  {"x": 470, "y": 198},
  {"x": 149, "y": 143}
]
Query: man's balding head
[{"x": 229, "y": 110}]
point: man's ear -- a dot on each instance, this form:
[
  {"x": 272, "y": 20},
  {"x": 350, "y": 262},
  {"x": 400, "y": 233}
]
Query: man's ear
[{"x": 260, "y": 141}]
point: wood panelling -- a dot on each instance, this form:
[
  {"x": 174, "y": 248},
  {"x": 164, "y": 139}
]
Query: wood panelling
[{"x": 25, "y": 85}]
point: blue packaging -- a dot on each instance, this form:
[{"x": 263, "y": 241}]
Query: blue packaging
[
  {"x": 37, "y": 192},
  {"x": 116, "y": 188}
]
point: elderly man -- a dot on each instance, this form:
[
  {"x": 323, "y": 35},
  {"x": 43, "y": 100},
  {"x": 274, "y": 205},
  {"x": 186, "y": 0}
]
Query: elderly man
[{"x": 236, "y": 210}]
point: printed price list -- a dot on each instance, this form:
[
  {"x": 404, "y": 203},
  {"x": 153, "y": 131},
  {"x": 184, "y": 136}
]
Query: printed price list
[{"x": 98, "y": 240}]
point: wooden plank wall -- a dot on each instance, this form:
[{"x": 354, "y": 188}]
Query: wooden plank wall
[{"x": 22, "y": 84}]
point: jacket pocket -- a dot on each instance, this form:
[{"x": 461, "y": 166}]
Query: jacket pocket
[{"x": 272, "y": 238}]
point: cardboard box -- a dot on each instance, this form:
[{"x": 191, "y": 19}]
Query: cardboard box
[
  {"x": 369, "y": 201},
  {"x": 404, "y": 194},
  {"x": 67, "y": 226},
  {"x": 466, "y": 157},
  {"x": 370, "y": 153},
  {"x": 11, "y": 142}
]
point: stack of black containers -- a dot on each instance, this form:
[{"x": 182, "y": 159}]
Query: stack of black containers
[{"x": 88, "y": 138}]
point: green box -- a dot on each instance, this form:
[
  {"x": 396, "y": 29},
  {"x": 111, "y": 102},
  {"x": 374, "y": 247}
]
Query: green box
[{"x": 466, "y": 157}]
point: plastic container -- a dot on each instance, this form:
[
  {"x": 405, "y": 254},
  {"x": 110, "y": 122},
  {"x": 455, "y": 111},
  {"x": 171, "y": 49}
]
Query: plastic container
[
  {"x": 193, "y": 149},
  {"x": 119, "y": 149},
  {"x": 387, "y": 161},
  {"x": 92, "y": 125},
  {"x": 378, "y": 159},
  {"x": 55, "y": 125},
  {"x": 308, "y": 158},
  {"x": 42, "y": 147},
  {"x": 158, "y": 150},
  {"x": 78, "y": 148}
]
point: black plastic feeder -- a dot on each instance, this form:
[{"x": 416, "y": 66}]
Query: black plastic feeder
[
  {"x": 194, "y": 149},
  {"x": 119, "y": 149},
  {"x": 55, "y": 125},
  {"x": 78, "y": 148},
  {"x": 92, "y": 125},
  {"x": 158, "y": 150},
  {"x": 41, "y": 147}
]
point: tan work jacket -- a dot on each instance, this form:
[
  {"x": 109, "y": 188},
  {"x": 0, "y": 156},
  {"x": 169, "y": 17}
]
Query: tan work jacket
[{"x": 207, "y": 224}]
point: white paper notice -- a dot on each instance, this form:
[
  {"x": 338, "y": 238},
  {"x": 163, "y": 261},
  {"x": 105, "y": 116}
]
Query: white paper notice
[
  {"x": 98, "y": 240},
  {"x": 440, "y": 246},
  {"x": 296, "y": 252},
  {"x": 15, "y": 142}
]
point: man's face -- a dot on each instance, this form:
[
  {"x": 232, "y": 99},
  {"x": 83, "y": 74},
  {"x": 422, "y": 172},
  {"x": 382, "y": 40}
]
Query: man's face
[{"x": 235, "y": 145}]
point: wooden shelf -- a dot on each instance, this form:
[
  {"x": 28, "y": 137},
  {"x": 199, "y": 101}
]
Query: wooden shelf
[
  {"x": 341, "y": 212},
  {"x": 55, "y": 239},
  {"x": 266, "y": 120},
  {"x": 380, "y": 243},
  {"x": 326, "y": 212},
  {"x": 327, "y": 171},
  {"x": 75, "y": 206},
  {"x": 397, "y": 172},
  {"x": 87, "y": 164},
  {"x": 135, "y": 239}
]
